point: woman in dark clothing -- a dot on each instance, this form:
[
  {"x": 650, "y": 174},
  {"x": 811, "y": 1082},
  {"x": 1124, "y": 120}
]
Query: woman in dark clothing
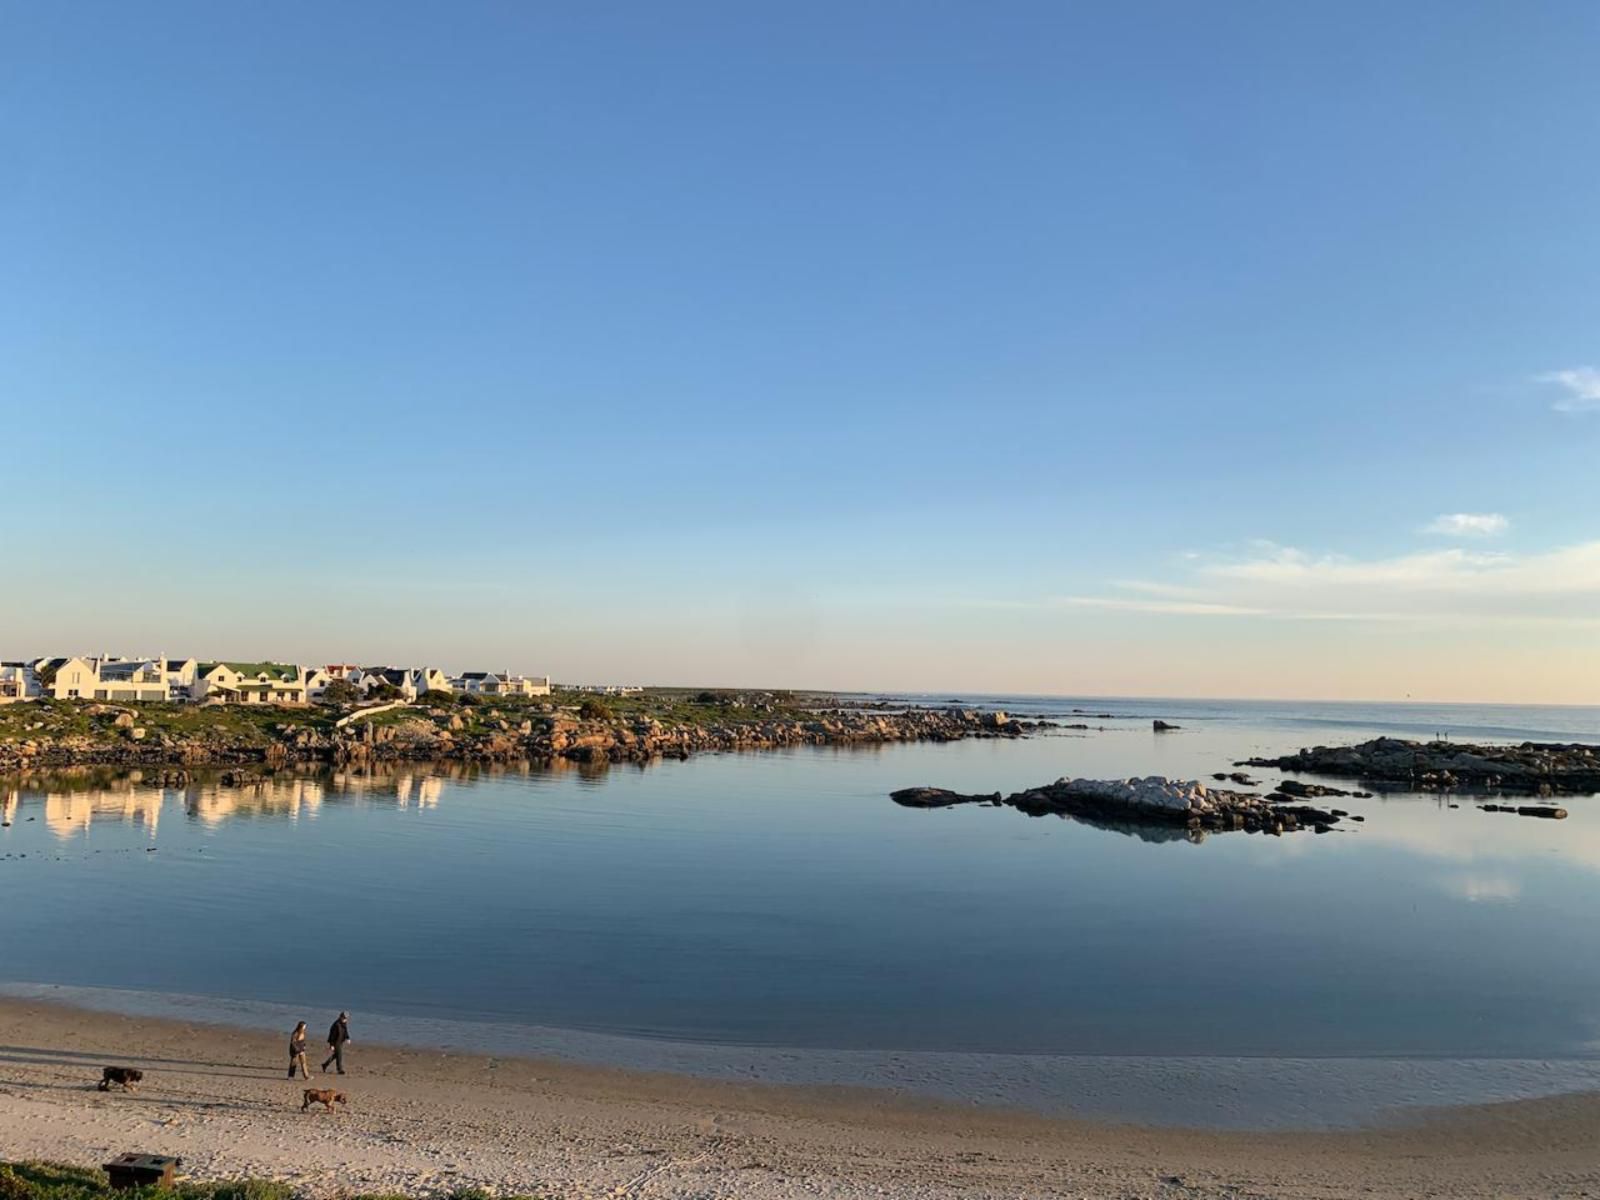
[{"x": 297, "y": 1052}]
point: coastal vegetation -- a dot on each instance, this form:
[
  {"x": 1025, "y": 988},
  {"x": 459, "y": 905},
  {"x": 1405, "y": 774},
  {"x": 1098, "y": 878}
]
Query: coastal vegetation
[{"x": 446, "y": 725}]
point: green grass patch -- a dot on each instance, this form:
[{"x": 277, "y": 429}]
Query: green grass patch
[{"x": 250, "y": 725}]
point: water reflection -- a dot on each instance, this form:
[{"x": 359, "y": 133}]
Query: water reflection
[
  {"x": 782, "y": 898},
  {"x": 70, "y": 802},
  {"x": 75, "y": 797}
]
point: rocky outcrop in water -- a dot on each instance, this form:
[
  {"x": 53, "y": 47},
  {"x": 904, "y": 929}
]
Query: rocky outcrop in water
[
  {"x": 1154, "y": 800},
  {"x": 1536, "y": 768},
  {"x": 1546, "y": 811},
  {"x": 468, "y": 735}
]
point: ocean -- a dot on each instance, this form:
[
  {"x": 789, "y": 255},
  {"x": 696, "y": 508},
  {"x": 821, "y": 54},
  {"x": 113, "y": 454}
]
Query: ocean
[{"x": 774, "y": 915}]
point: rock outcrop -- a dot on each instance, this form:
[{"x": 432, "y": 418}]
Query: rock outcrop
[
  {"x": 1536, "y": 768},
  {"x": 419, "y": 733},
  {"x": 1153, "y": 800}
]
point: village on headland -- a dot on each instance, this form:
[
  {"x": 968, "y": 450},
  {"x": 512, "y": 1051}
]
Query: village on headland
[
  {"x": 159, "y": 679},
  {"x": 127, "y": 711},
  {"x": 187, "y": 715}
]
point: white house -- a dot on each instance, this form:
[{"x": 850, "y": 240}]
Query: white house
[
  {"x": 317, "y": 681},
  {"x": 69, "y": 678},
  {"x": 180, "y": 674},
  {"x": 488, "y": 683},
  {"x": 430, "y": 679},
  {"x": 373, "y": 678},
  {"x": 477, "y": 683},
  {"x": 18, "y": 682},
  {"x": 114, "y": 679},
  {"x": 249, "y": 683},
  {"x": 131, "y": 680},
  {"x": 525, "y": 685}
]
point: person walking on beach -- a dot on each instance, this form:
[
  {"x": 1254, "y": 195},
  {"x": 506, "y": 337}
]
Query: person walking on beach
[
  {"x": 297, "y": 1052},
  {"x": 338, "y": 1037}
]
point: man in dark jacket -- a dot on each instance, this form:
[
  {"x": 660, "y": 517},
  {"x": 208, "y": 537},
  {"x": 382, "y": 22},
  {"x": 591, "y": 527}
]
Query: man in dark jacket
[{"x": 338, "y": 1036}]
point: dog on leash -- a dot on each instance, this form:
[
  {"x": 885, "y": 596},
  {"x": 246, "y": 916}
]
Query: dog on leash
[
  {"x": 125, "y": 1077},
  {"x": 326, "y": 1097}
]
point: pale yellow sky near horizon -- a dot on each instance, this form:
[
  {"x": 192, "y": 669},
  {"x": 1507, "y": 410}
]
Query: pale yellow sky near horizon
[{"x": 1049, "y": 652}]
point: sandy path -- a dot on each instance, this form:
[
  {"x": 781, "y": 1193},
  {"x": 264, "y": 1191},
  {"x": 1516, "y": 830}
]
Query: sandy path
[{"x": 421, "y": 1121}]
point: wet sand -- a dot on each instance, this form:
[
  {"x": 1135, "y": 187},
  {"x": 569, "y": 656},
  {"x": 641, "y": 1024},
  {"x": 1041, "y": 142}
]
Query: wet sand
[{"x": 420, "y": 1121}]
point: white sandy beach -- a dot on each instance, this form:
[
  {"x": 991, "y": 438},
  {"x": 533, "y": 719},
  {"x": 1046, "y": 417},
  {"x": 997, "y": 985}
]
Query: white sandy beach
[{"x": 421, "y": 1121}]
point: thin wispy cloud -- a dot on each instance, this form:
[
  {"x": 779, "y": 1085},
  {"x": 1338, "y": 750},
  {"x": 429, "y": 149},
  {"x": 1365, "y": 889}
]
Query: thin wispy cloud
[
  {"x": 1468, "y": 525},
  {"x": 1178, "y": 607},
  {"x": 1570, "y": 570},
  {"x": 1457, "y": 586},
  {"x": 1582, "y": 387}
]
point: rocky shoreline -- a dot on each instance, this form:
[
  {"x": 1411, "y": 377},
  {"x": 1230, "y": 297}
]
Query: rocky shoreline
[
  {"x": 118, "y": 738},
  {"x": 1531, "y": 768},
  {"x": 1184, "y": 805}
]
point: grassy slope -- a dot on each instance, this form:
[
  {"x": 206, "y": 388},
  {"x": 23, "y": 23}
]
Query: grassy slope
[
  {"x": 260, "y": 725},
  {"x": 255, "y": 725}
]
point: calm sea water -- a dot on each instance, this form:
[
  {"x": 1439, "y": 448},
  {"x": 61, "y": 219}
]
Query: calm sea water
[{"x": 781, "y": 900}]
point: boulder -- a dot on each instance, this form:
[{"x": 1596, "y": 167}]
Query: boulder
[{"x": 932, "y": 797}]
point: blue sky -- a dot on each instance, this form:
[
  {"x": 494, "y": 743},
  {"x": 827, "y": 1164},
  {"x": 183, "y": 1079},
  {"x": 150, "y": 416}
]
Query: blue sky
[{"x": 1047, "y": 347}]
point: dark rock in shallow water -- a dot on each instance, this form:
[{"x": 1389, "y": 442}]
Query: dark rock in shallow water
[
  {"x": 1162, "y": 727},
  {"x": 1151, "y": 803},
  {"x": 1293, "y": 787},
  {"x": 932, "y": 797},
  {"x": 1538, "y": 768},
  {"x": 1527, "y": 810}
]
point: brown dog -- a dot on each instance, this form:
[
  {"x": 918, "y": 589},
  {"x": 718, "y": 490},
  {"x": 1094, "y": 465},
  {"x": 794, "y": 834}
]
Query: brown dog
[
  {"x": 326, "y": 1097},
  {"x": 126, "y": 1077}
]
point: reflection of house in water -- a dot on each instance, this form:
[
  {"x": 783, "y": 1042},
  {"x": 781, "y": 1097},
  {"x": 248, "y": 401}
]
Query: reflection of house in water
[
  {"x": 142, "y": 806},
  {"x": 212, "y": 803},
  {"x": 425, "y": 791},
  {"x": 65, "y": 813},
  {"x": 68, "y": 813},
  {"x": 73, "y": 802},
  {"x": 8, "y": 804}
]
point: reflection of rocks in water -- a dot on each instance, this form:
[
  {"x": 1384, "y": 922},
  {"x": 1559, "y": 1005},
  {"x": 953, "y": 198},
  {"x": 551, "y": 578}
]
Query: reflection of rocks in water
[
  {"x": 1186, "y": 809},
  {"x": 1155, "y": 834}
]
